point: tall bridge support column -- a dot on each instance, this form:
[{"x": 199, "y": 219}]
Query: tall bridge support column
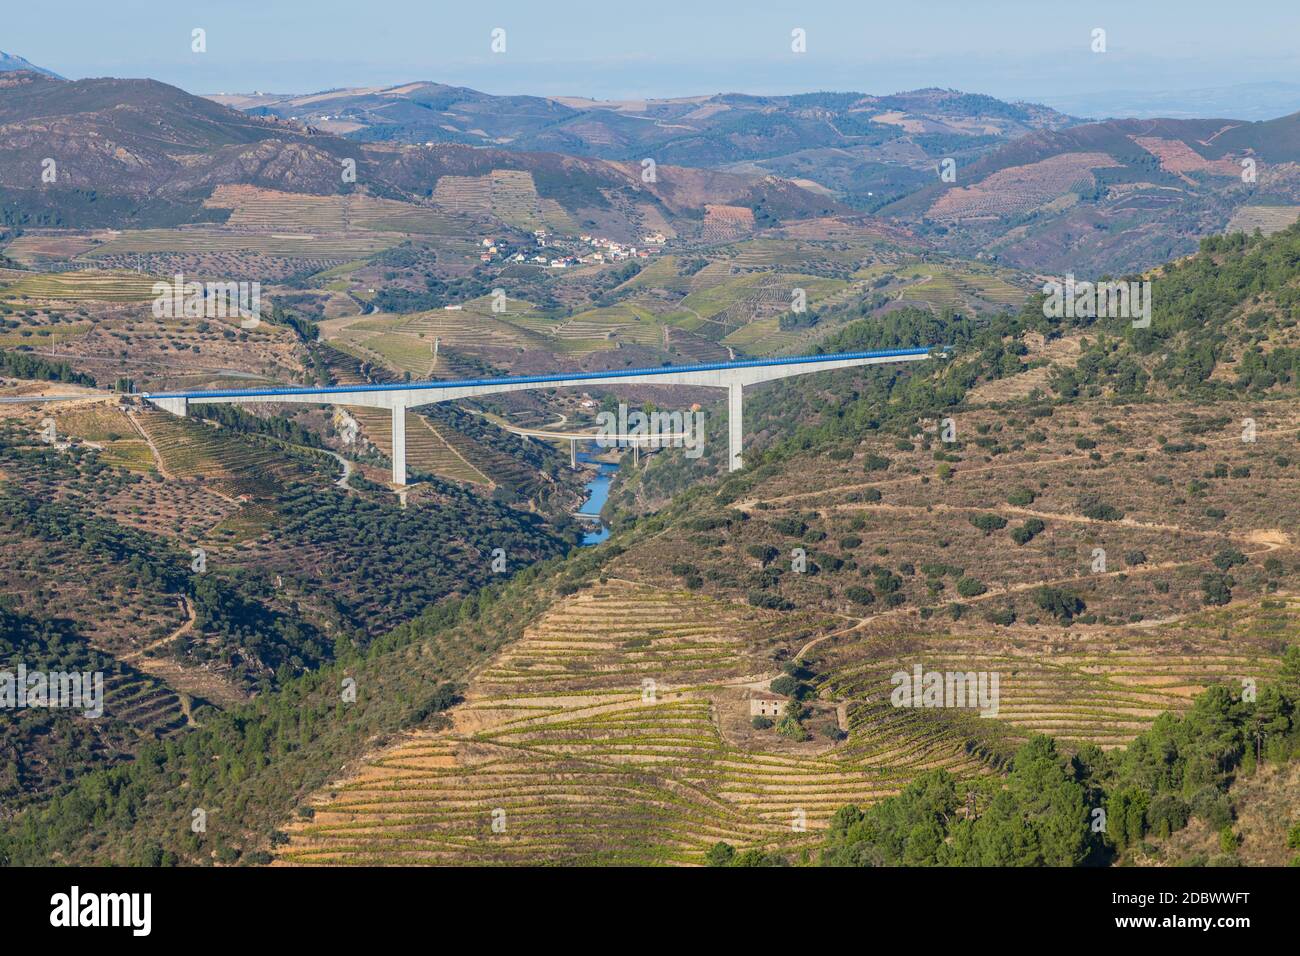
[
  {"x": 399, "y": 444},
  {"x": 735, "y": 426},
  {"x": 573, "y": 453}
]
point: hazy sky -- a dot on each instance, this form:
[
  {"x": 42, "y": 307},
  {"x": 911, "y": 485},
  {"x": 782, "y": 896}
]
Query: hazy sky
[{"x": 1016, "y": 49}]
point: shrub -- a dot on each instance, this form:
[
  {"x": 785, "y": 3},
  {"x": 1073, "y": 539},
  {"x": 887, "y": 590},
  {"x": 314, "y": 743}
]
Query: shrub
[
  {"x": 1228, "y": 840},
  {"x": 1027, "y": 531},
  {"x": 860, "y": 595},
  {"x": 1228, "y": 558},
  {"x": 1216, "y": 588},
  {"x": 1002, "y": 617},
  {"x": 1212, "y": 806},
  {"x": 711, "y": 522},
  {"x": 772, "y": 602},
  {"x": 1090, "y": 506},
  {"x": 988, "y": 523},
  {"x": 761, "y": 723},
  {"x": 720, "y": 854},
  {"x": 1167, "y": 813},
  {"x": 1062, "y": 605},
  {"x": 790, "y": 728},
  {"x": 785, "y": 685},
  {"x": 790, "y": 527},
  {"x": 886, "y": 581},
  {"x": 1021, "y": 497},
  {"x": 970, "y": 587}
]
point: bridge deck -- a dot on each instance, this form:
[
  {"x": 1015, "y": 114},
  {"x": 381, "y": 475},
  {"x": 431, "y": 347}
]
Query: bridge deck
[{"x": 571, "y": 378}]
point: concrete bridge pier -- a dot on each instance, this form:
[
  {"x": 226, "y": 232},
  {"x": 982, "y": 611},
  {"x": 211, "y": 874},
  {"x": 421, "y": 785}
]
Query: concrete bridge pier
[
  {"x": 735, "y": 425},
  {"x": 399, "y": 444},
  {"x": 573, "y": 454},
  {"x": 177, "y": 406}
]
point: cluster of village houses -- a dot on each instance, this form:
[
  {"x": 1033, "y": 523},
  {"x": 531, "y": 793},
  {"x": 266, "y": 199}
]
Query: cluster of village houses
[{"x": 603, "y": 250}]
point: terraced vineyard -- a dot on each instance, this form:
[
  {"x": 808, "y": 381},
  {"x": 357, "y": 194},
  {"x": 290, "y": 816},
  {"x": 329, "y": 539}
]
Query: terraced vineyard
[
  {"x": 507, "y": 194},
  {"x": 110, "y": 430},
  {"x": 93, "y": 421},
  {"x": 663, "y": 273},
  {"x": 84, "y": 285},
  {"x": 595, "y": 329},
  {"x": 1096, "y": 689},
  {"x": 233, "y": 465},
  {"x": 265, "y": 209},
  {"x": 475, "y": 326},
  {"x": 953, "y": 290},
  {"x": 727, "y": 223},
  {"x": 1267, "y": 219},
  {"x": 319, "y": 250},
  {"x": 427, "y": 450},
  {"x": 1020, "y": 188},
  {"x": 148, "y": 705},
  {"x": 762, "y": 337},
  {"x": 405, "y": 343},
  {"x": 723, "y": 307},
  {"x": 616, "y": 731}
]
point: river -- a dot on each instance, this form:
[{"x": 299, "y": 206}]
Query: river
[{"x": 597, "y": 494}]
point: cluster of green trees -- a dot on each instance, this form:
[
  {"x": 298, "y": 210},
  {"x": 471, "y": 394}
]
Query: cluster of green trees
[
  {"x": 516, "y": 463},
  {"x": 250, "y": 766},
  {"x": 1055, "y": 809},
  {"x": 382, "y": 564},
  {"x": 21, "y": 365},
  {"x": 277, "y": 426},
  {"x": 43, "y": 749},
  {"x": 361, "y": 565},
  {"x": 437, "y": 292},
  {"x": 233, "y": 614},
  {"x": 1249, "y": 280},
  {"x": 1052, "y": 808}
]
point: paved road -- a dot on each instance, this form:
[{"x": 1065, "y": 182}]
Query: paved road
[
  {"x": 347, "y": 467},
  {"x": 29, "y": 399}
]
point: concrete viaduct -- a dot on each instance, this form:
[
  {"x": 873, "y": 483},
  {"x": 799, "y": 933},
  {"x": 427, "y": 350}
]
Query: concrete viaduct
[{"x": 733, "y": 376}]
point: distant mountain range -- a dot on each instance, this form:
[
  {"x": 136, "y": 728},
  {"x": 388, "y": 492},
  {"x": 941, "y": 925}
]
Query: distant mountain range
[
  {"x": 867, "y": 148},
  {"x": 11, "y": 61},
  {"x": 1027, "y": 187},
  {"x": 1031, "y": 186},
  {"x": 142, "y": 153},
  {"x": 1116, "y": 195}
]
